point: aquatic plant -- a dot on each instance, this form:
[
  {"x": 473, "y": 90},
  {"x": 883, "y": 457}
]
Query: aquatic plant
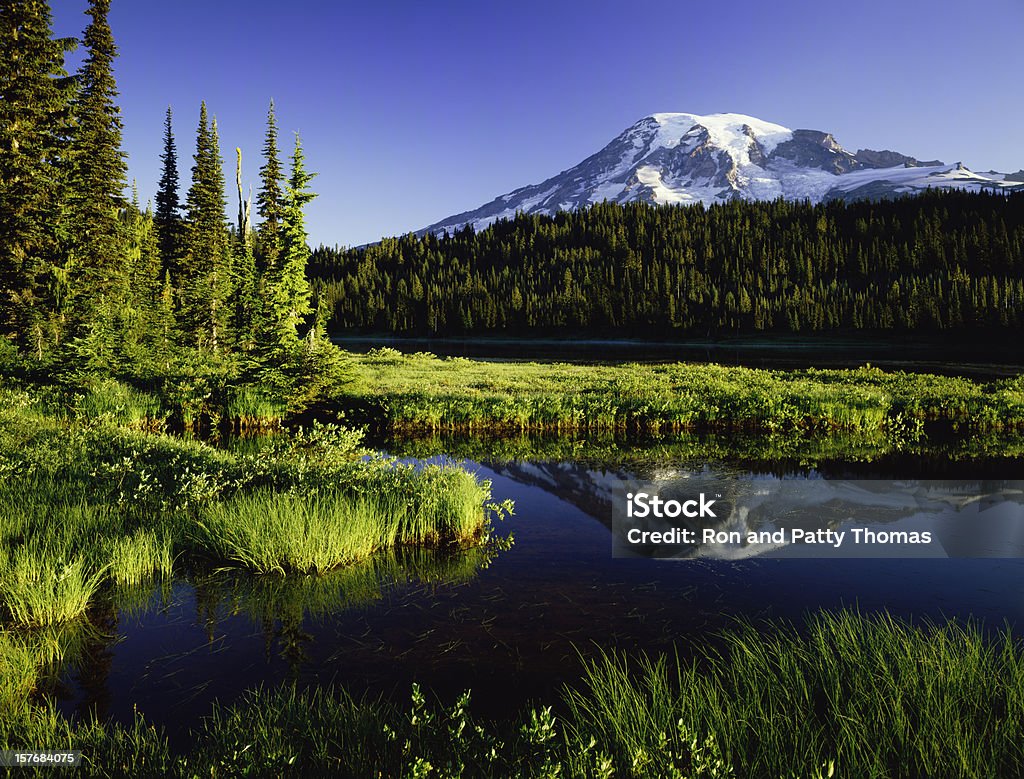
[
  {"x": 271, "y": 532},
  {"x": 40, "y": 587}
]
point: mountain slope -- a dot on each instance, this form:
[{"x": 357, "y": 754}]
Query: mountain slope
[{"x": 686, "y": 158}]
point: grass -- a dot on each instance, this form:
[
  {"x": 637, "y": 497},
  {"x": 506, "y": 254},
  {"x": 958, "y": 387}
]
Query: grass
[
  {"x": 141, "y": 557},
  {"x": 248, "y": 408},
  {"x": 17, "y": 673},
  {"x": 422, "y": 392},
  {"x": 40, "y": 587},
  {"x": 874, "y": 696},
  {"x": 90, "y": 508},
  {"x": 295, "y": 533},
  {"x": 846, "y": 695},
  {"x": 114, "y": 401},
  {"x": 775, "y": 451}
]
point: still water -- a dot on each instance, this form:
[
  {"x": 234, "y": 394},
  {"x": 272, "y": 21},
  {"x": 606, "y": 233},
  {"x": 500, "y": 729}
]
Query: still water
[{"x": 512, "y": 625}]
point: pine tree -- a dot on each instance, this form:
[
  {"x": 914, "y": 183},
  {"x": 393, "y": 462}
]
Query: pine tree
[
  {"x": 98, "y": 166},
  {"x": 168, "y": 206},
  {"x": 35, "y": 97},
  {"x": 205, "y": 278},
  {"x": 290, "y": 291},
  {"x": 270, "y": 200}
]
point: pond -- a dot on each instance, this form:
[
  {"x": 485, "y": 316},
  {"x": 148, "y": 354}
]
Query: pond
[{"x": 511, "y": 625}]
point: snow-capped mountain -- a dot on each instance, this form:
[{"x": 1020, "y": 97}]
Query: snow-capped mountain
[{"x": 686, "y": 158}]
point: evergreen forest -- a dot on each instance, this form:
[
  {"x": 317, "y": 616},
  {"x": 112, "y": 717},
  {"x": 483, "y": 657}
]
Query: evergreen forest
[{"x": 943, "y": 260}]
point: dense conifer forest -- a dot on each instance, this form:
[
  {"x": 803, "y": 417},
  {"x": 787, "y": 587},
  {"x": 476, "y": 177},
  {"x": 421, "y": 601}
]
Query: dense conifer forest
[{"x": 939, "y": 261}]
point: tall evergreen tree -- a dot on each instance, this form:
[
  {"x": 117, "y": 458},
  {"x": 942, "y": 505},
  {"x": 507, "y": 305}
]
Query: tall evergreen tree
[
  {"x": 290, "y": 286},
  {"x": 35, "y": 98},
  {"x": 99, "y": 167},
  {"x": 205, "y": 276},
  {"x": 270, "y": 199},
  {"x": 168, "y": 205}
]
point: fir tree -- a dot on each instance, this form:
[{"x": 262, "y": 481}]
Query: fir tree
[
  {"x": 205, "y": 279},
  {"x": 270, "y": 200},
  {"x": 168, "y": 206},
  {"x": 35, "y": 97},
  {"x": 290, "y": 292},
  {"x": 99, "y": 167}
]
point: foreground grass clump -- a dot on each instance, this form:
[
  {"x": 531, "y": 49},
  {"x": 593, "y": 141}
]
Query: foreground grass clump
[
  {"x": 306, "y": 533},
  {"x": 40, "y": 588},
  {"x": 848, "y": 695},
  {"x": 420, "y": 391},
  {"x": 875, "y": 696}
]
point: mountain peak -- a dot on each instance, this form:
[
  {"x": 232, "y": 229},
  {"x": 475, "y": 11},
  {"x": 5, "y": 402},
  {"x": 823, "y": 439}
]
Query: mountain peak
[{"x": 711, "y": 158}]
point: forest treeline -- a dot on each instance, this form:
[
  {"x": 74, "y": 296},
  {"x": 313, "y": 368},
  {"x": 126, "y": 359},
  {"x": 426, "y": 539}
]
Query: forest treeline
[
  {"x": 91, "y": 284},
  {"x": 942, "y": 260}
]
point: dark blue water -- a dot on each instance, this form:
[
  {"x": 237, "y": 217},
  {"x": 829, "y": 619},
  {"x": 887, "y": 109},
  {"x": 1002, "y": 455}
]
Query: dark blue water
[{"x": 513, "y": 631}]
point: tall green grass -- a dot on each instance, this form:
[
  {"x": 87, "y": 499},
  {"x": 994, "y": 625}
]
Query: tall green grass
[
  {"x": 872, "y": 695},
  {"x": 422, "y": 392},
  {"x": 141, "y": 557},
  {"x": 113, "y": 401},
  {"x": 271, "y": 532},
  {"x": 250, "y": 408},
  {"x": 40, "y": 587},
  {"x": 17, "y": 673}
]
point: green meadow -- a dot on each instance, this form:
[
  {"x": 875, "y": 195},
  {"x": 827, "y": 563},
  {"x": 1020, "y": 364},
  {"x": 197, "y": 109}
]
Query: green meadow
[{"x": 421, "y": 392}]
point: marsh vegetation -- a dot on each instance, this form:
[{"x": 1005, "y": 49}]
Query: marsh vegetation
[{"x": 420, "y": 392}]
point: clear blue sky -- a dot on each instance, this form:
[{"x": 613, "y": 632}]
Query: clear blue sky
[{"x": 412, "y": 111}]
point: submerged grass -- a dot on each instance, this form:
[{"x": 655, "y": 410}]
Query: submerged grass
[{"x": 420, "y": 391}]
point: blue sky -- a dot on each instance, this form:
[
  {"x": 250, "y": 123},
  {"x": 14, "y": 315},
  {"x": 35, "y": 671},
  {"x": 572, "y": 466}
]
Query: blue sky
[{"x": 413, "y": 111}]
